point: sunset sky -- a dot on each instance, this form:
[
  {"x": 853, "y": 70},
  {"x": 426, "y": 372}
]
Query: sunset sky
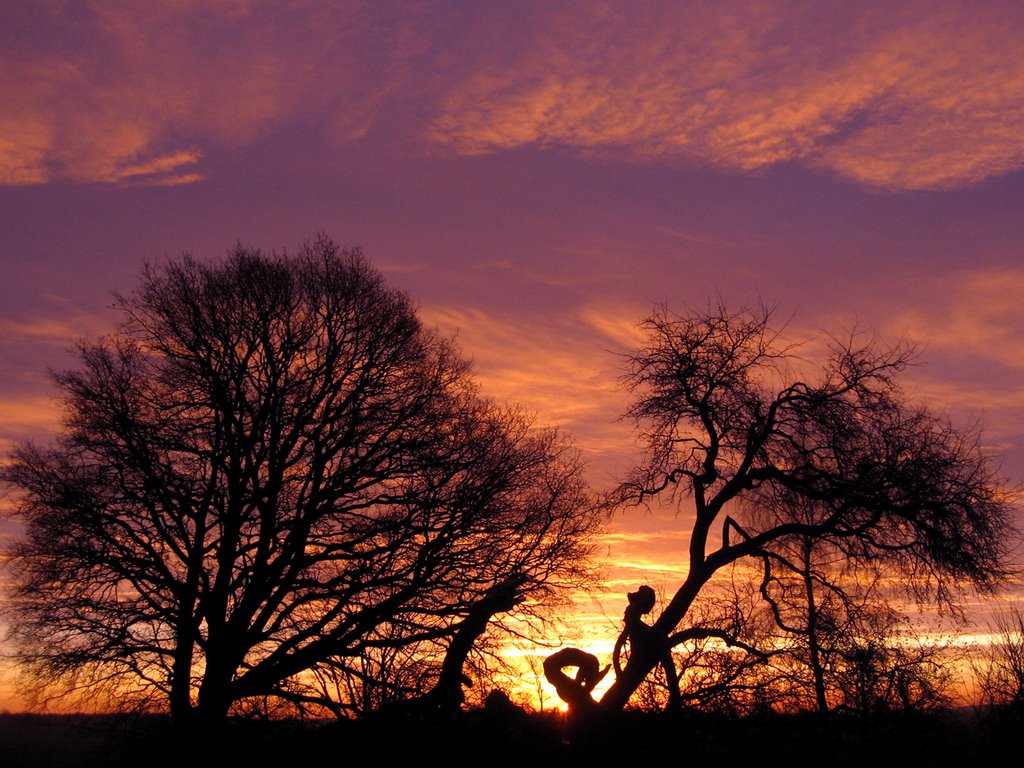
[{"x": 536, "y": 175}]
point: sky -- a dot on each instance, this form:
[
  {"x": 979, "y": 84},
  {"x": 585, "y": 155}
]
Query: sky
[{"x": 537, "y": 175}]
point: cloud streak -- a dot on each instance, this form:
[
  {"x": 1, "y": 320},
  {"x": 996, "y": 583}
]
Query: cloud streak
[
  {"x": 923, "y": 96},
  {"x": 982, "y": 316},
  {"x": 133, "y": 92},
  {"x": 926, "y": 98},
  {"x": 559, "y": 368}
]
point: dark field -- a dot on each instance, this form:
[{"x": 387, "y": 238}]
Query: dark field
[{"x": 959, "y": 738}]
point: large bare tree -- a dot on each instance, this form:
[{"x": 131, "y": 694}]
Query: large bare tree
[
  {"x": 269, "y": 475},
  {"x": 774, "y": 453}
]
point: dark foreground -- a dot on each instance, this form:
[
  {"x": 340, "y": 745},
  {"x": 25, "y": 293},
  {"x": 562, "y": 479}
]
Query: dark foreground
[{"x": 953, "y": 738}]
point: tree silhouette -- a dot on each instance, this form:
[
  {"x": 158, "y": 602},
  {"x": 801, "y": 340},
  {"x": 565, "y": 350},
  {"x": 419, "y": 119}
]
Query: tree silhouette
[
  {"x": 273, "y": 475},
  {"x": 737, "y": 423},
  {"x": 999, "y": 666},
  {"x": 848, "y": 646}
]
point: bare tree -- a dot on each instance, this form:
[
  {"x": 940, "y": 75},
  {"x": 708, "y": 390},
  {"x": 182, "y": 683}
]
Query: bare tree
[
  {"x": 882, "y": 664},
  {"x": 999, "y": 665},
  {"x": 272, "y": 473},
  {"x": 728, "y": 417},
  {"x": 850, "y": 649}
]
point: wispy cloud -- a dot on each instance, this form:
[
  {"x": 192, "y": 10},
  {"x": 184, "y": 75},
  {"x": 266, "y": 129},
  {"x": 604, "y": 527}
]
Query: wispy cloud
[
  {"x": 925, "y": 95},
  {"x": 28, "y": 344},
  {"x": 163, "y": 170},
  {"x": 133, "y": 92},
  {"x": 60, "y": 323},
  {"x": 981, "y": 316},
  {"x": 26, "y": 416},
  {"x": 931, "y": 96},
  {"x": 555, "y": 366}
]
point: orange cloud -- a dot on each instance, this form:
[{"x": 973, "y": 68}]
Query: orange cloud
[
  {"x": 61, "y": 325},
  {"x": 112, "y": 103},
  {"x": 28, "y": 407},
  {"x": 161, "y": 170},
  {"x": 970, "y": 333},
  {"x": 558, "y": 368},
  {"x": 24, "y": 416},
  {"x": 23, "y": 150},
  {"x": 922, "y": 98},
  {"x": 981, "y": 316}
]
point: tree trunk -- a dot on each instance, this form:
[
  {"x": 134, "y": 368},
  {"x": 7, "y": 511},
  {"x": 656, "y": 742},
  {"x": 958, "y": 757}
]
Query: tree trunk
[
  {"x": 181, "y": 679},
  {"x": 813, "y": 642},
  {"x": 644, "y": 659},
  {"x": 213, "y": 706},
  {"x": 215, "y": 694},
  {"x": 184, "y": 631},
  {"x": 446, "y": 695}
]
